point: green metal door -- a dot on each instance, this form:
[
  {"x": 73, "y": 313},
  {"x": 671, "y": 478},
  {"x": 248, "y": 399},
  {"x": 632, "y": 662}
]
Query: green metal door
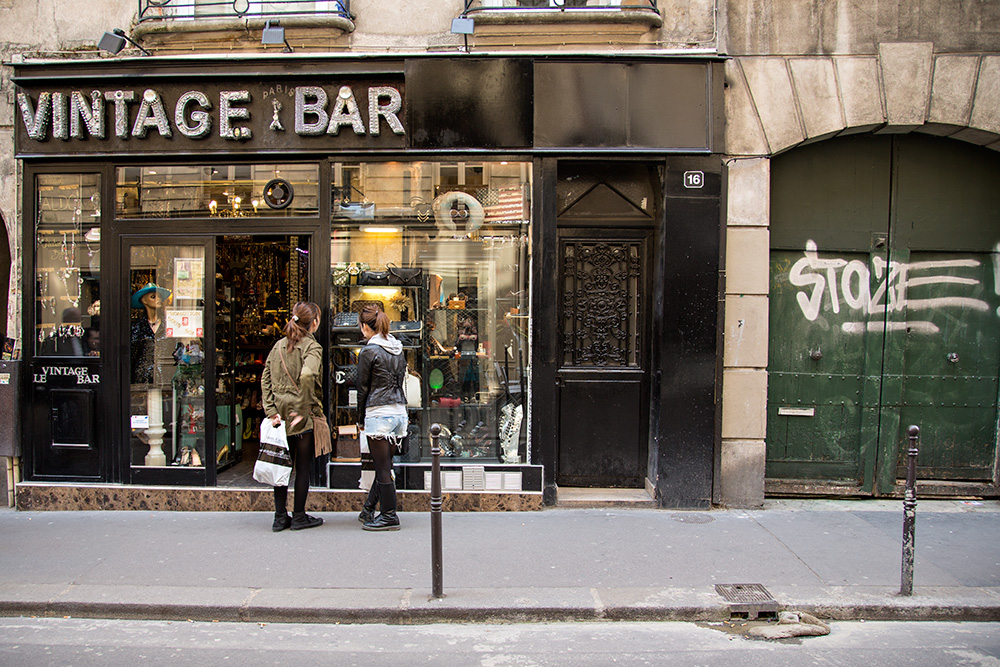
[
  {"x": 884, "y": 312},
  {"x": 950, "y": 353},
  {"x": 822, "y": 401}
]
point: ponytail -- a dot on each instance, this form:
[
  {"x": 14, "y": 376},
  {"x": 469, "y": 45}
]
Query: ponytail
[
  {"x": 375, "y": 318},
  {"x": 304, "y": 313}
]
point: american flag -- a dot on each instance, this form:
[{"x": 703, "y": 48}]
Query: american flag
[{"x": 501, "y": 204}]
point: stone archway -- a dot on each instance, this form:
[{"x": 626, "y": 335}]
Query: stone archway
[{"x": 774, "y": 103}]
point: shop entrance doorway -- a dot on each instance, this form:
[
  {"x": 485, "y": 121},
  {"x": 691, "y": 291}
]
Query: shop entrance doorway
[
  {"x": 203, "y": 316},
  {"x": 258, "y": 279},
  {"x": 603, "y": 296}
]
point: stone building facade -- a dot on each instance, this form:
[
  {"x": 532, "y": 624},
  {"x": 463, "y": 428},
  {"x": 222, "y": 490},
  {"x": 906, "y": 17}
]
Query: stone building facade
[{"x": 797, "y": 74}]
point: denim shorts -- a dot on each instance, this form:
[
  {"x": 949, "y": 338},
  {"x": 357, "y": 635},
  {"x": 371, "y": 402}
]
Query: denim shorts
[{"x": 391, "y": 427}]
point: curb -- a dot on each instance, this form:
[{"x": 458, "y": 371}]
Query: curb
[{"x": 416, "y": 606}]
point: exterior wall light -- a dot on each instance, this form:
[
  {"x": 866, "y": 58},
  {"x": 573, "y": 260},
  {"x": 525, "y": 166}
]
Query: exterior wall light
[
  {"x": 114, "y": 42},
  {"x": 274, "y": 34}
]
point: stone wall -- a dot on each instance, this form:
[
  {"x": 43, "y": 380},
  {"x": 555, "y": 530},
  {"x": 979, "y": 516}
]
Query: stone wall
[{"x": 857, "y": 27}]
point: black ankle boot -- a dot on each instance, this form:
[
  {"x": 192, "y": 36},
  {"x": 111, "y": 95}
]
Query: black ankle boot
[
  {"x": 301, "y": 521},
  {"x": 281, "y": 521},
  {"x": 387, "y": 520},
  {"x": 368, "y": 510}
]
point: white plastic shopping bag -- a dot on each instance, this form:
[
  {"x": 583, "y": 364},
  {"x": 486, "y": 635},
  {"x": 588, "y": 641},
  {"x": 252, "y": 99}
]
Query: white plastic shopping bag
[
  {"x": 274, "y": 462},
  {"x": 274, "y": 435}
]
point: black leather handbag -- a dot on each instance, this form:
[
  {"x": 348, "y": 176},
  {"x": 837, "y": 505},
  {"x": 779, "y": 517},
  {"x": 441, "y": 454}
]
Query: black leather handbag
[
  {"x": 347, "y": 374},
  {"x": 374, "y": 278},
  {"x": 404, "y": 277}
]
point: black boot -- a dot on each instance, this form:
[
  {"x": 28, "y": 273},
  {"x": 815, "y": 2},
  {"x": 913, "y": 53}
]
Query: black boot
[
  {"x": 281, "y": 518},
  {"x": 368, "y": 511},
  {"x": 281, "y": 521},
  {"x": 387, "y": 520},
  {"x": 301, "y": 521}
]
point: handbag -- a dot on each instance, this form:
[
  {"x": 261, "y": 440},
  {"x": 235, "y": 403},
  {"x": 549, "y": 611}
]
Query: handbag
[
  {"x": 346, "y": 374},
  {"x": 345, "y": 321},
  {"x": 346, "y": 273},
  {"x": 348, "y": 442},
  {"x": 404, "y": 277},
  {"x": 411, "y": 387},
  {"x": 374, "y": 278},
  {"x": 274, "y": 463},
  {"x": 359, "y": 304}
]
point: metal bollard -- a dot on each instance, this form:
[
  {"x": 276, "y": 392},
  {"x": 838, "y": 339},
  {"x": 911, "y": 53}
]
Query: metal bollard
[
  {"x": 910, "y": 512},
  {"x": 437, "y": 587}
]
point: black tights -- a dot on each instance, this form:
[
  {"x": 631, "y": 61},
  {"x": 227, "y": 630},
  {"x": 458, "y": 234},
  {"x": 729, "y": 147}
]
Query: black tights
[
  {"x": 381, "y": 450},
  {"x": 302, "y": 450}
]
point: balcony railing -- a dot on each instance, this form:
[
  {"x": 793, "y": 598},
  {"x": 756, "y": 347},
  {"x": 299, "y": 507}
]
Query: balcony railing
[
  {"x": 561, "y": 5},
  {"x": 158, "y": 10}
]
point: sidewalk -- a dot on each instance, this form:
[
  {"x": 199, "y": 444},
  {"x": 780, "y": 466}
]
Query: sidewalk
[{"x": 836, "y": 559}]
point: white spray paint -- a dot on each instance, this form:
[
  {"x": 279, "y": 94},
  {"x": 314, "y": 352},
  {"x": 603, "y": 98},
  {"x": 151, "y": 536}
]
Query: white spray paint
[{"x": 892, "y": 280}]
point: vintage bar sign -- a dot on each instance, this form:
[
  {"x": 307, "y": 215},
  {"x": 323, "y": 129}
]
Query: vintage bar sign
[
  {"x": 80, "y": 374},
  {"x": 173, "y": 118}
]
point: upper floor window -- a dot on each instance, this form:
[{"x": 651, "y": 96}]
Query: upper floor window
[
  {"x": 642, "y": 13},
  {"x": 151, "y": 10},
  {"x": 560, "y": 4}
]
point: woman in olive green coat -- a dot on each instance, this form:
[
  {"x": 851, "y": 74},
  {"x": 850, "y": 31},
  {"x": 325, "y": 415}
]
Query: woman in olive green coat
[{"x": 291, "y": 391}]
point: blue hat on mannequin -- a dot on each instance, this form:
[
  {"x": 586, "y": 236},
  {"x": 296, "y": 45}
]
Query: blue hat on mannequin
[{"x": 149, "y": 287}]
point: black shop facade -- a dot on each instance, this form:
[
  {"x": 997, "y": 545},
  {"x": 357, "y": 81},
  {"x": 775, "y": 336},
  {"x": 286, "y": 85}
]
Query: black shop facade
[{"x": 544, "y": 234}]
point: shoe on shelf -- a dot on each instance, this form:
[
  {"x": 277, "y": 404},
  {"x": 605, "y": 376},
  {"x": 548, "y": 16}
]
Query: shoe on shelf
[
  {"x": 281, "y": 522},
  {"x": 303, "y": 521}
]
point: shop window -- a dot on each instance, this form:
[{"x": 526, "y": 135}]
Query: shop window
[
  {"x": 220, "y": 191},
  {"x": 68, "y": 265},
  {"x": 167, "y": 356},
  {"x": 443, "y": 249}
]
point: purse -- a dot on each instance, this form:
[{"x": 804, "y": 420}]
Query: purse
[
  {"x": 348, "y": 442},
  {"x": 411, "y": 387},
  {"x": 359, "y": 304},
  {"x": 404, "y": 277},
  {"x": 346, "y": 374},
  {"x": 374, "y": 278},
  {"x": 345, "y": 320},
  {"x": 346, "y": 273}
]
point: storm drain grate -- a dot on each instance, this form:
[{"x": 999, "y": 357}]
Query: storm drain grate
[{"x": 748, "y": 600}]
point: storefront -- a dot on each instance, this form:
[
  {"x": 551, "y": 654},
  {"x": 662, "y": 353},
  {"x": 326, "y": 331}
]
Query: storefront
[{"x": 544, "y": 234}]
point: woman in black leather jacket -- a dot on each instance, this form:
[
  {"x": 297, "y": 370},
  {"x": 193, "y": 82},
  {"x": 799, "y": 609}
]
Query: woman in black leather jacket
[{"x": 381, "y": 412}]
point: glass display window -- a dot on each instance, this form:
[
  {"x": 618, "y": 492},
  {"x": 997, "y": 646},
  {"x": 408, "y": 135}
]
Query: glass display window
[
  {"x": 217, "y": 191},
  {"x": 443, "y": 248},
  {"x": 68, "y": 265},
  {"x": 167, "y": 415}
]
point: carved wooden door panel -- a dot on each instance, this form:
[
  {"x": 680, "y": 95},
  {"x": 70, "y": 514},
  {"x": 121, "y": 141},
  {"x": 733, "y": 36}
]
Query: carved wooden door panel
[{"x": 603, "y": 367}]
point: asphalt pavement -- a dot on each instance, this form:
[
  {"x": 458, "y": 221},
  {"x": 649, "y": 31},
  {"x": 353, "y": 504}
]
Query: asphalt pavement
[{"x": 837, "y": 559}]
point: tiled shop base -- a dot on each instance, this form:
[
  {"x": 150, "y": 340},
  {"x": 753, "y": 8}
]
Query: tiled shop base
[{"x": 45, "y": 496}]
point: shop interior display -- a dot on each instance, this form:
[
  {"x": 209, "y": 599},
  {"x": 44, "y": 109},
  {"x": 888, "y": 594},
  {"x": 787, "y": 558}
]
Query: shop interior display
[
  {"x": 256, "y": 284},
  {"x": 449, "y": 273}
]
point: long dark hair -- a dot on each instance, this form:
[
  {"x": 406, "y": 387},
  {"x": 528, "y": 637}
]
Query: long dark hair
[
  {"x": 304, "y": 313},
  {"x": 375, "y": 317}
]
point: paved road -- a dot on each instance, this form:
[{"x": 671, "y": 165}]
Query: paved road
[{"x": 36, "y": 642}]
